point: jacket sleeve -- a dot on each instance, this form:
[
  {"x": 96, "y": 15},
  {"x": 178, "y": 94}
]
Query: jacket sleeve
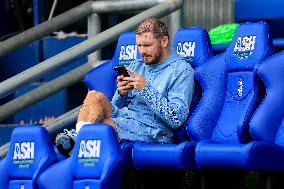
[
  {"x": 174, "y": 107},
  {"x": 119, "y": 101}
]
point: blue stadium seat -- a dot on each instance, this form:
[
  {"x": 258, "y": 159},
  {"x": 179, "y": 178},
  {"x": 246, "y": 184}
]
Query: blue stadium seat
[
  {"x": 3, "y": 174},
  {"x": 103, "y": 77},
  {"x": 228, "y": 147},
  {"x": 96, "y": 162},
  {"x": 266, "y": 152},
  {"x": 181, "y": 156},
  {"x": 30, "y": 153}
]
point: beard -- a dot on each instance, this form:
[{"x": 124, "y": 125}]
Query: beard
[{"x": 153, "y": 59}]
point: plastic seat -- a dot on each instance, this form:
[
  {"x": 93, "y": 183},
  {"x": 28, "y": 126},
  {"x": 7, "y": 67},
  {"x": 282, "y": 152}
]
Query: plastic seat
[
  {"x": 30, "y": 153},
  {"x": 229, "y": 146},
  {"x": 181, "y": 156},
  {"x": 96, "y": 162},
  {"x": 266, "y": 126}
]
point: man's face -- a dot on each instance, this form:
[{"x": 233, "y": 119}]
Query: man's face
[{"x": 149, "y": 47}]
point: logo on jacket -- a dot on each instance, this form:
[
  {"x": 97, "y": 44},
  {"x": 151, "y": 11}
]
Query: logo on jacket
[
  {"x": 244, "y": 46},
  {"x": 127, "y": 54},
  {"x": 186, "y": 50},
  {"x": 24, "y": 153},
  {"x": 89, "y": 152}
]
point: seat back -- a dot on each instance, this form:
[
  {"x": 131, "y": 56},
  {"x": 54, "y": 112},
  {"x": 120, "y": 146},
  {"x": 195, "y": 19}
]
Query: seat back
[
  {"x": 251, "y": 44},
  {"x": 30, "y": 153},
  {"x": 267, "y": 122},
  {"x": 103, "y": 77},
  {"x": 212, "y": 76},
  {"x": 96, "y": 158},
  {"x": 194, "y": 45}
]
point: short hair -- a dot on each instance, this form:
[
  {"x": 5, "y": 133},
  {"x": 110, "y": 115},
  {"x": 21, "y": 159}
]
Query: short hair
[{"x": 157, "y": 27}]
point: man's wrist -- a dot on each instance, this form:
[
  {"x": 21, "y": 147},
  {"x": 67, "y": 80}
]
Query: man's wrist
[{"x": 120, "y": 94}]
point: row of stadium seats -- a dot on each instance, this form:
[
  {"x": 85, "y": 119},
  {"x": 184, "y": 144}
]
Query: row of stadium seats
[{"x": 235, "y": 120}]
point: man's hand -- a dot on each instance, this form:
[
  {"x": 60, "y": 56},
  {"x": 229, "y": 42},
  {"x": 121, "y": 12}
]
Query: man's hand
[
  {"x": 123, "y": 85},
  {"x": 137, "y": 81}
]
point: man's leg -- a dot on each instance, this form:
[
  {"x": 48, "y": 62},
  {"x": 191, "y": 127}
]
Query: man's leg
[
  {"x": 96, "y": 108},
  {"x": 92, "y": 110},
  {"x": 111, "y": 123}
]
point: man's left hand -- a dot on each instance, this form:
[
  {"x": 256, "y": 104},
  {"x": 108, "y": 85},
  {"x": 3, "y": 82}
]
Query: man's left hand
[{"x": 137, "y": 81}]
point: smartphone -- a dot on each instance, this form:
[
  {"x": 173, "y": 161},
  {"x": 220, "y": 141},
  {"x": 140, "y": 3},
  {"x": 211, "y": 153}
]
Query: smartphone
[{"x": 121, "y": 70}]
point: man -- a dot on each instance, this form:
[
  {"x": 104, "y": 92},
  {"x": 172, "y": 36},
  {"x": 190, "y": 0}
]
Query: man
[{"x": 154, "y": 100}]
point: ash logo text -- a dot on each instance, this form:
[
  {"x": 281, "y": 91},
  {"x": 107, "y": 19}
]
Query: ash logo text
[
  {"x": 127, "y": 54},
  {"x": 24, "y": 153}
]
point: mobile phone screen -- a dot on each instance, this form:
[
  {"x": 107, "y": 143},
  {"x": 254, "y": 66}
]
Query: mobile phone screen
[{"x": 121, "y": 70}]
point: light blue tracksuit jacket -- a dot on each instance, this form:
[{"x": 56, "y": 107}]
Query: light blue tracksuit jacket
[{"x": 151, "y": 114}]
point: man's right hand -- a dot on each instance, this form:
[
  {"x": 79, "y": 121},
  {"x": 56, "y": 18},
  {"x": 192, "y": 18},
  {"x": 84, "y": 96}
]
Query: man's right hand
[{"x": 123, "y": 86}]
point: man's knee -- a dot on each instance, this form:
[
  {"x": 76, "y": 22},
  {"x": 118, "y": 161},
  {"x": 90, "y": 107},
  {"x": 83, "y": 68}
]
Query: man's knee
[{"x": 92, "y": 97}]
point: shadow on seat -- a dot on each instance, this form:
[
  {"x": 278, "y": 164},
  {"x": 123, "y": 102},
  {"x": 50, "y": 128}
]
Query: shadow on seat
[{"x": 30, "y": 153}]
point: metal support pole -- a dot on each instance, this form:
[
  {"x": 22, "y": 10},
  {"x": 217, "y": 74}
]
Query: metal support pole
[
  {"x": 52, "y": 9},
  {"x": 44, "y": 91},
  {"x": 63, "y": 121},
  {"x": 38, "y": 11},
  {"x": 102, "y": 7},
  {"x": 69, "y": 17},
  {"x": 94, "y": 28},
  {"x": 45, "y": 28},
  {"x": 84, "y": 48},
  {"x": 4, "y": 149},
  {"x": 174, "y": 23}
]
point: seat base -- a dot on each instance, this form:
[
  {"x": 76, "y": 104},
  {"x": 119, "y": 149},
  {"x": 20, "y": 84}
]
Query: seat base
[
  {"x": 167, "y": 156},
  {"x": 256, "y": 155}
]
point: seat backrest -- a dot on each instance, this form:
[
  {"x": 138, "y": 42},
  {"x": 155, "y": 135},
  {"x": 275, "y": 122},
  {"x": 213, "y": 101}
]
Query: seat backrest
[
  {"x": 267, "y": 121},
  {"x": 96, "y": 154},
  {"x": 126, "y": 50},
  {"x": 194, "y": 45},
  {"x": 31, "y": 152},
  {"x": 103, "y": 77},
  {"x": 251, "y": 44},
  {"x": 212, "y": 76}
]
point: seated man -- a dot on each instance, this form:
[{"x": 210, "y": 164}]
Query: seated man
[{"x": 154, "y": 100}]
